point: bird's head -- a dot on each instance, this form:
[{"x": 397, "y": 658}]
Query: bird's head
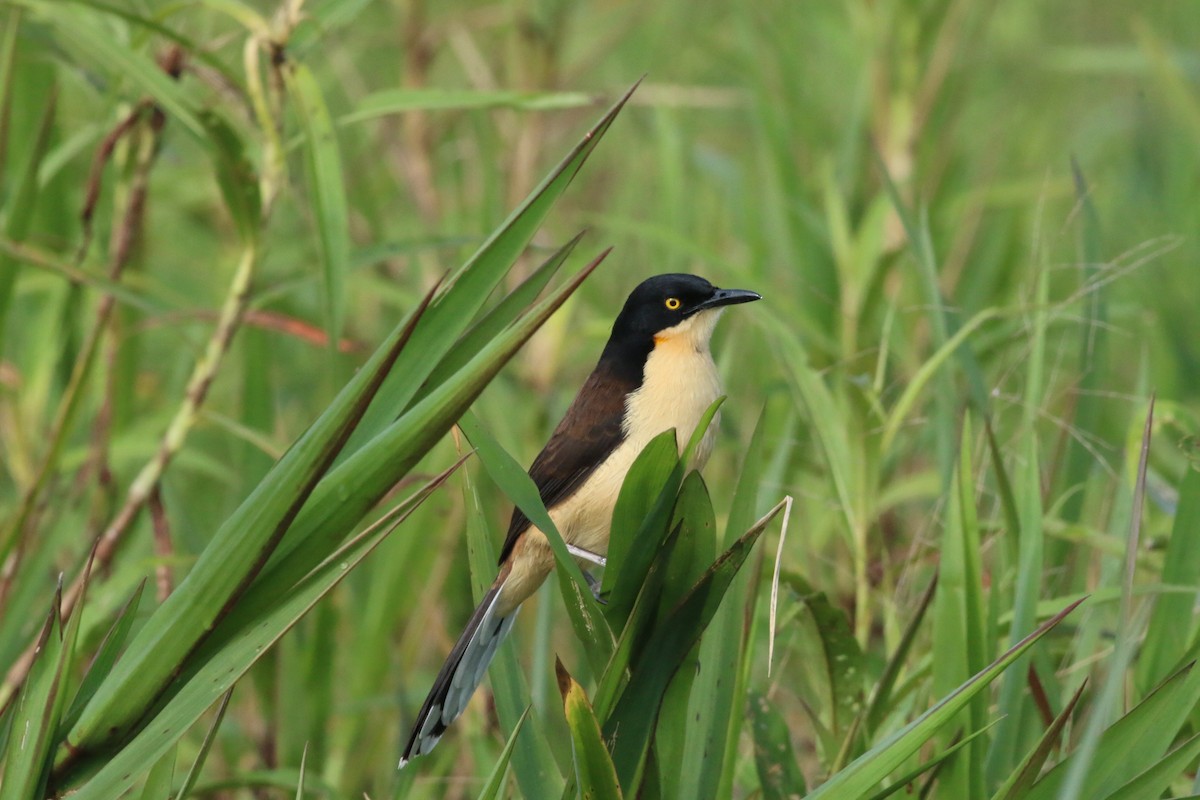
[{"x": 676, "y": 309}]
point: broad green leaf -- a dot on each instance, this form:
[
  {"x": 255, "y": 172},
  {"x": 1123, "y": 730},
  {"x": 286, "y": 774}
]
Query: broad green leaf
[
  {"x": 639, "y": 524},
  {"x": 693, "y": 719},
  {"x": 843, "y": 662},
  {"x": 637, "y": 631},
  {"x": 220, "y": 669},
  {"x": 327, "y": 189},
  {"x": 636, "y": 712},
  {"x": 230, "y": 561},
  {"x": 779, "y": 774},
  {"x": 1137, "y": 739},
  {"x": 594, "y": 772},
  {"x": 865, "y": 772},
  {"x": 494, "y": 787}
]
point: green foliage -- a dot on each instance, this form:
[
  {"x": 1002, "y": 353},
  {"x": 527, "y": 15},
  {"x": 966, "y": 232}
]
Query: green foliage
[{"x": 256, "y": 261}]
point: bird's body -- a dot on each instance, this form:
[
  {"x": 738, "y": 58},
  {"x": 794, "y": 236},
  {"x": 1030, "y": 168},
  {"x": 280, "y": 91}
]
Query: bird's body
[{"x": 655, "y": 374}]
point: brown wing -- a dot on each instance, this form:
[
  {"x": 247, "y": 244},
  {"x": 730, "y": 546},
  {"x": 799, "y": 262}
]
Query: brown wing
[{"x": 588, "y": 433}]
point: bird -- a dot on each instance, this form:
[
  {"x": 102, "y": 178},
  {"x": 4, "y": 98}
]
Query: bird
[{"x": 655, "y": 373}]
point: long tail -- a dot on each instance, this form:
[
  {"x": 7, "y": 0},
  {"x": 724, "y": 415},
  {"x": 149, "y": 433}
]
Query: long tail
[{"x": 460, "y": 675}]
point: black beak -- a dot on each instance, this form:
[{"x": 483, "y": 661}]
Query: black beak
[{"x": 729, "y": 297}]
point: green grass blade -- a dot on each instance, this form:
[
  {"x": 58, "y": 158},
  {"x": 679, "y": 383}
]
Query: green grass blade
[
  {"x": 398, "y": 101},
  {"x": 1123, "y": 750},
  {"x": 106, "y": 656},
  {"x": 636, "y": 711},
  {"x": 349, "y": 490},
  {"x": 469, "y": 287},
  {"x": 1171, "y": 621},
  {"x": 857, "y": 780},
  {"x": 26, "y": 765},
  {"x": 98, "y": 47},
  {"x": 221, "y": 668},
  {"x": 533, "y": 762},
  {"x": 492, "y": 323},
  {"x": 1158, "y": 777},
  {"x": 595, "y": 775},
  {"x": 159, "y": 780},
  {"x": 193, "y": 773},
  {"x": 881, "y": 696},
  {"x": 493, "y": 789},
  {"x": 18, "y": 209},
  {"x": 932, "y": 765},
  {"x": 1017, "y": 784},
  {"x": 327, "y": 189},
  {"x": 229, "y": 562},
  {"x": 1027, "y": 488}
]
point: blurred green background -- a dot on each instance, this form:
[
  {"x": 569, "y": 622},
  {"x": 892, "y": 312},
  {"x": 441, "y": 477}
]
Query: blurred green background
[{"x": 884, "y": 174}]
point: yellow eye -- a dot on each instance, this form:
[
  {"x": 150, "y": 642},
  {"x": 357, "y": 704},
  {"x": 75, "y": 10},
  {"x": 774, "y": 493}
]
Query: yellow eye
[{"x": 673, "y": 303}]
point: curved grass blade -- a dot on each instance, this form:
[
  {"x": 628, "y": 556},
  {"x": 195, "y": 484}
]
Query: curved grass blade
[
  {"x": 221, "y": 668},
  {"x": 231, "y": 560},
  {"x": 162, "y": 774},
  {"x": 35, "y": 718},
  {"x": 865, "y": 772},
  {"x": 341, "y": 499},
  {"x": 1157, "y": 778},
  {"x": 98, "y": 46},
  {"x": 932, "y": 765},
  {"x": 469, "y": 287},
  {"x": 1124, "y": 749},
  {"x": 494, "y": 787},
  {"x": 1018, "y": 783},
  {"x": 193, "y": 774}
]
